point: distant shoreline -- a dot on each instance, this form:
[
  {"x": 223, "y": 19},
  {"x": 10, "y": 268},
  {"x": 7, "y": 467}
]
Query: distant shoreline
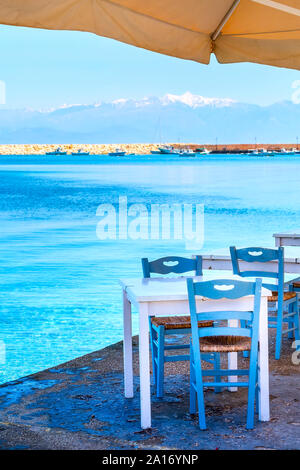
[{"x": 140, "y": 149}]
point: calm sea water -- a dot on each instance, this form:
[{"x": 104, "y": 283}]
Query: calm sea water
[{"x": 59, "y": 292}]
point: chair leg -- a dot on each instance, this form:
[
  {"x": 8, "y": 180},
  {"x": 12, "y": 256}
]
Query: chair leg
[
  {"x": 160, "y": 362},
  {"x": 193, "y": 395},
  {"x": 217, "y": 366},
  {"x": 243, "y": 325},
  {"x": 257, "y": 393},
  {"x": 201, "y": 408},
  {"x": 251, "y": 398},
  {"x": 291, "y": 322},
  {"x": 290, "y": 333},
  {"x": 153, "y": 350},
  {"x": 297, "y": 321},
  {"x": 200, "y": 394},
  {"x": 279, "y": 330}
]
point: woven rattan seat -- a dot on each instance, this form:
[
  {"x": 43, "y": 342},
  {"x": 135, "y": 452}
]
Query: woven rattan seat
[
  {"x": 296, "y": 284},
  {"x": 176, "y": 323},
  {"x": 225, "y": 344},
  {"x": 287, "y": 296}
]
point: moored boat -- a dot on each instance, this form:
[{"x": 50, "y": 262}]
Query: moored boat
[
  {"x": 265, "y": 153},
  {"x": 203, "y": 151},
  {"x": 57, "y": 151},
  {"x": 187, "y": 153},
  {"x": 284, "y": 151},
  {"x": 80, "y": 152},
  {"x": 168, "y": 150},
  {"x": 252, "y": 152},
  {"x": 117, "y": 153},
  {"x": 261, "y": 152}
]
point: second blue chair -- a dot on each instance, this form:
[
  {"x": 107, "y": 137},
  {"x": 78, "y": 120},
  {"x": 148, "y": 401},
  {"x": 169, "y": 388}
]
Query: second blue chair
[
  {"x": 171, "y": 325},
  {"x": 224, "y": 339},
  {"x": 285, "y": 300}
]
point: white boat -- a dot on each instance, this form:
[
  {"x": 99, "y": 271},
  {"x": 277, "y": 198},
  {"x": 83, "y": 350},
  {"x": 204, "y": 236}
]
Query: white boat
[
  {"x": 266, "y": 153},
  {"x": 252, "y": 152},
  {"x": 261, "y": 152},
  {"x": 203, "y": 151},
  {"x": 284, "y": 151},
  {"x": 168, "y": 150},
  {"x": 187, "y": 153}
]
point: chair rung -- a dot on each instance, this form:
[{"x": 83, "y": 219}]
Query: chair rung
[
  {"x": 178, "y": 331},
  {"x": 179, "y": 346},
  {"x": 176, "y": 358},
  {"x": 284, "y": 320},
  {"x": 291, "y": 314},
  {"x": 224, "y": 372},
  {"x": 225, "y": 384},
  {"x": 287, "y": 331},
  {"x": 290, "y": 301}
]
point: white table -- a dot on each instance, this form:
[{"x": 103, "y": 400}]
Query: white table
[
  {"x": 168, "y": 296},
  {"x": 287, "y": 239},
  {"x": 224, "y": 263}
]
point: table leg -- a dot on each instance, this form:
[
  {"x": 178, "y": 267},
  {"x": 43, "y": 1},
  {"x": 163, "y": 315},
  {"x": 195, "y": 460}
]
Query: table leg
[
  {"x": 232, "y": 359},
  {"x": 263, "y": 363},
  {"x": 127, "y": 347},
  {"x": 144, "y": 358}
]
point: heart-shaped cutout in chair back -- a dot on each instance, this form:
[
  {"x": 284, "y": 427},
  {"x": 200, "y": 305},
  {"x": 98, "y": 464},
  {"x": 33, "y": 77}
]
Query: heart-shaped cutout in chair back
[
  {"x": 223, "y": 287},
  {"x": 255, "y": 253},
  {"x": 170, "y": 264}
]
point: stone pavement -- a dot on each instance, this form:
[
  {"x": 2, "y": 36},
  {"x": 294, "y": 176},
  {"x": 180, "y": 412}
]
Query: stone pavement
[{"x": 80, "y": 405}]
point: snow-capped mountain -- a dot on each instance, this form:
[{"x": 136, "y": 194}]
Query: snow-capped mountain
[
  {"x": 196, "y": 101},
  {"x": 187, "y": 98},
  {"x": 186, "y": 117}
]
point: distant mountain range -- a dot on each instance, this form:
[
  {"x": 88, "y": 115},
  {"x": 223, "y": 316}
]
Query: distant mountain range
[{"x": 171, "y": 118}]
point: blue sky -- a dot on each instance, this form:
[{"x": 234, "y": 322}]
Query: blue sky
[{"x": 49, "y": 68}]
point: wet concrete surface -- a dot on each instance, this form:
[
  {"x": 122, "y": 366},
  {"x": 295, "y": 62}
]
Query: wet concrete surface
[{"x": 80, "y": 405}]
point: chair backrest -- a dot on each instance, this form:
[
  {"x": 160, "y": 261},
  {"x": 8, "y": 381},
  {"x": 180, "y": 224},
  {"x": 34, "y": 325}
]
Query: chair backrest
[
  {"x": 260, "y": 255},
  {"x": 172, "y": 264},
  {"x": 229, "y": 289}
]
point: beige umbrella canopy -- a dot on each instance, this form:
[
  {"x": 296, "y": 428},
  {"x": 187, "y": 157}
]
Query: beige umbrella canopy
[{"x": 262, "y": 31}]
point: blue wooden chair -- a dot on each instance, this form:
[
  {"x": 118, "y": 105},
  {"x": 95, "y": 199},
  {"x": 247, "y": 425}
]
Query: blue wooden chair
[
  {"x": 171, "y": 325},
  {"x": 284, "y": 300},
  {"x": 223, "y": 339},
  {"x": 294, "y": 286}
]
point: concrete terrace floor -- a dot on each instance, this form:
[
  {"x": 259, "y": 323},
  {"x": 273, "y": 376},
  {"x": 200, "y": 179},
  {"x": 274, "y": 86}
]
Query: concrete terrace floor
[{"x": 80, "y": 405}]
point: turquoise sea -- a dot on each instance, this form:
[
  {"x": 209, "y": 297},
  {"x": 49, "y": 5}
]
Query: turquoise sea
[{"x": 59, "y": 292}]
